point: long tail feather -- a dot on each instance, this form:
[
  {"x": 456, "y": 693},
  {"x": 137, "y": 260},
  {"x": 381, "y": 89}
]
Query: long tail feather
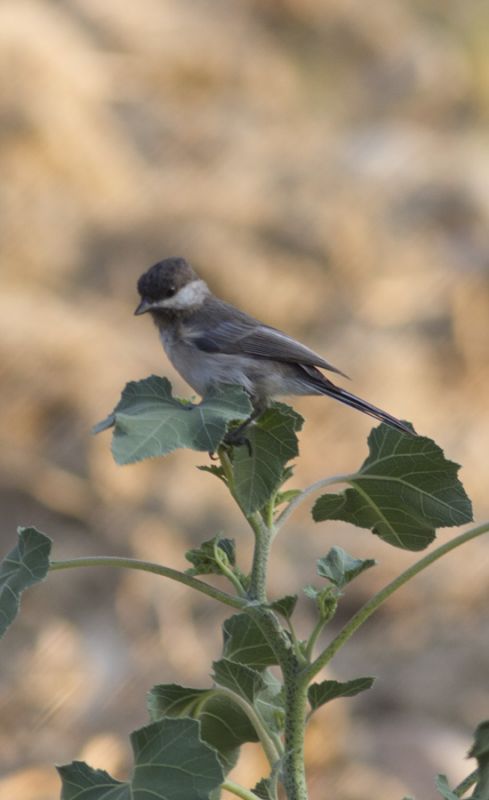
[{"x": 352, "y": 400}]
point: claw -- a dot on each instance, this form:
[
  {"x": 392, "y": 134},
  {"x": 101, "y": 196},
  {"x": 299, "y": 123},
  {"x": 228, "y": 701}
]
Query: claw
[{"x": 236, "y": 439}]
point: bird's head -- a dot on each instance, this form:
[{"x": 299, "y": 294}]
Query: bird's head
[{"x": 170, "y": 285}]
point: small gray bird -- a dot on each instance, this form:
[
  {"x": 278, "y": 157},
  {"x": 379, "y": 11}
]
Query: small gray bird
[{"x": 209, "y": 341}]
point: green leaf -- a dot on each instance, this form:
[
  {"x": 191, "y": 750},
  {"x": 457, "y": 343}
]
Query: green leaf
[
  {"x": 273, "y": 442},
  {"x": 224, "y": 725},
  {"x": 25, "y": 565},
  {"x": 321, "y": 693},
  {"x": 239, "y": 678},
  {"x": 213, "y": 469},
  {"x": 148, "y": 421},
  {"x": 270, "y": 703},
  {"x": 289, "y": 469},
  {"x": 403, "y": 491},
  {"x": 480, "y": 751},
  {"x": 285, "y": 605},
  {"x": 172, "y": 700},
  {"x": 441, "y": 783},
  {"x": 204, "y": 557},
  {"x": 245, "y": 643},
  {"x": 340, "y": 568},
  {"x": 287, "y": 496},
  {"x": 171, "y": 762},
  {"x": 81, "y": 781},
  {"x": 264, "y": 790},
  {"x": 262, "y": 690},
  {"x": 326, "y": 600}
]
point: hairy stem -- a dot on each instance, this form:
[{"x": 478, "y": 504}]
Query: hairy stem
[
  {"x": 373, "y": 604},
  {"x": 261, "y": 554},
  {"x": 299, "y": 498},
  {"x": 262, "y": 532},
  {"x": 264, "y": 529},
  {"x": 293, "y": 768},
  {"x": 157, "y": 569},
  {"x": 294, "y": 774}
]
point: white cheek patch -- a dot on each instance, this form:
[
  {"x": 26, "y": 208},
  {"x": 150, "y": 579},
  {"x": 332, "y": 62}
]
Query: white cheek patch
[{"x": 190, "y": 295}]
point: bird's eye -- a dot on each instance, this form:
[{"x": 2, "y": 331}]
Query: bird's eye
[{"x": 170, "y": 291}]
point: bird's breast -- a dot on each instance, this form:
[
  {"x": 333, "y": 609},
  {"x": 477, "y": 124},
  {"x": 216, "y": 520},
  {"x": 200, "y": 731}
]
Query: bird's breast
[{"x": 200, "y": 369}]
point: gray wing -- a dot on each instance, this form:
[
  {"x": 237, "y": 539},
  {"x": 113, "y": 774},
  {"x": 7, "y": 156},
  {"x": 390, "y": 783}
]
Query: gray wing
[{"x": 224, "y": 329}]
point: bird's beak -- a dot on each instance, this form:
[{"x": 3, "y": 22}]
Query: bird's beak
[{"x": 144, "y": 306}]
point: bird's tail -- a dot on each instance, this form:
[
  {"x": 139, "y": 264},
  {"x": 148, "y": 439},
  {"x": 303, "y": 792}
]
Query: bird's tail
[{"x": 352, "y": 400}]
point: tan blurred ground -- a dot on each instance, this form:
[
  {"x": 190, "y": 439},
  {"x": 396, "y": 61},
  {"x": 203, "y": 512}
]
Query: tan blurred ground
[{"x": 328, "y": 170}]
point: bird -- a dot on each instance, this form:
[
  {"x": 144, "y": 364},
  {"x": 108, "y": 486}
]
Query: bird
[{"x": 210, "y": 341}]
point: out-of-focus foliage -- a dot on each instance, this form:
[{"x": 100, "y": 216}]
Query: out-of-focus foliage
[
  {"x": 325, "y": 168},
  {"x": 24, "y": 566}
]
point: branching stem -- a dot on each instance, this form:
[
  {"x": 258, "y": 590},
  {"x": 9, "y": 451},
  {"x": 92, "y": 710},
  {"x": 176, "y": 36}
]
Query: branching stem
[
  {"x": 373, "y": 604},
  {"x": 157, "y": 569},
  {"x": 299, "y": 498},
  {"x": 296, "y": 644}
]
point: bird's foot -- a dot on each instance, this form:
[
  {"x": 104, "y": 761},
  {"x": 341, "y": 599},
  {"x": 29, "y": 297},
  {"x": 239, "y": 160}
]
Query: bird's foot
[
  {"x": 232, "y": 439},
  {"x": 237, "y": 438}
]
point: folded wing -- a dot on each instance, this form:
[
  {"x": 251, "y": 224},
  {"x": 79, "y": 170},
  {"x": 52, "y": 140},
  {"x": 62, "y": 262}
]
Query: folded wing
[{"x": 242, "y": 335}]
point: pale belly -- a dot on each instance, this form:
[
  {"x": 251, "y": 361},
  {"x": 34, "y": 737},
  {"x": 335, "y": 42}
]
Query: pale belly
[{"x": 261, "y": 378}]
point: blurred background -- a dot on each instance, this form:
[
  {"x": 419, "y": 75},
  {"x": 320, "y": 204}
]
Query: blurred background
[{"x": 328, "y": 171}]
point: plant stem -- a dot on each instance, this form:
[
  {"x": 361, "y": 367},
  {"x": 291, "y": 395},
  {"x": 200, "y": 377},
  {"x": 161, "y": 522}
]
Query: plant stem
[
  {"x": 263, "y": 536},
  {"x": 294, "y": 774},
  {"x": 269, "y": 512},
  {"x": 314, "y": 487},
  {"x": 227, "y": 468},
  {"x": 465, "y": 785},
  {"x": 227, "y": 571},
  {"x": 290, "y": 661},
  {"x": 239, "y": 791},
  {"x": 296, "y": 644},
  {"x": 314, "y": 637},
  {"x": 263, "y": 542},
  {"x": 293, "y": 769},
  {"x": 293, "y": 766},
  {"x": 157, "y": 569},
  {"x": 373, "y": 604}
]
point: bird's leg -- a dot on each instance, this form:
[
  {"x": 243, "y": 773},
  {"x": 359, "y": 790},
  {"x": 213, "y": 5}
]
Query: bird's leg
[{"x": 236, "y": 438}]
